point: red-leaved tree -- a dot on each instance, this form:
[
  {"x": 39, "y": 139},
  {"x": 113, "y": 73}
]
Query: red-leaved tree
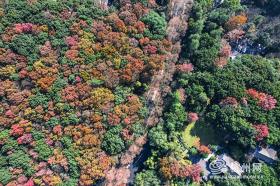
[{"x": 262, "y": 131}]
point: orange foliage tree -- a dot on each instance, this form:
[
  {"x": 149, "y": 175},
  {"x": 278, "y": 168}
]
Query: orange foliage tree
[{"x": 236, "y": 21}]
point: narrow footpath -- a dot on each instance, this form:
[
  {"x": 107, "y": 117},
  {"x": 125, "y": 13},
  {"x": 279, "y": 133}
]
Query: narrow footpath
[{"x": 177, "y": 13}]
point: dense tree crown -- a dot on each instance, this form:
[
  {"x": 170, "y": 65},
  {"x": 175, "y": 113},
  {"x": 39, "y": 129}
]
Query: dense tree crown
[
  {"x": 139, "y": 92},
  {"x": 232, "y": 100},
  {"x": 70, "y": 87}
]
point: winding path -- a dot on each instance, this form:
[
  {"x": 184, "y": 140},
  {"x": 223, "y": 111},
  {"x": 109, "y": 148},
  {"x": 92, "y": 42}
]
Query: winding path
[{"x": 178, "y": 13}]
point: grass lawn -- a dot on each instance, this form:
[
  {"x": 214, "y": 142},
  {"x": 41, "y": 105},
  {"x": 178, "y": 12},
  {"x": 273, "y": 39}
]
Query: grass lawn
[
  {"x": 189, "y": 139},
  {"x": 200, "y": 131}
]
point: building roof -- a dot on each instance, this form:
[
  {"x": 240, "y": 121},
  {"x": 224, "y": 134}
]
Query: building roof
[
  {"x": 268, "y": 152},
  {"x": 233, "y": 165}
]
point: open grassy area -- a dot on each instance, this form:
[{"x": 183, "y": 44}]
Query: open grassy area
[{"x": 189, "y": 139}]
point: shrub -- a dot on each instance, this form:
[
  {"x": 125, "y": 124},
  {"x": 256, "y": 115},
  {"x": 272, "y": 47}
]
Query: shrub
[
  {"x": 38, "y": 99},
  {"x": 43, "y": 149},
  {"x": 147, "y": 178},
  {"x": 5, "y": 176},
  {"x": 24, "y": 44},
  {"x": 112, "y": 142},
  {"x": 19, "y": 159},
  {"x": 157, "y": 24}
]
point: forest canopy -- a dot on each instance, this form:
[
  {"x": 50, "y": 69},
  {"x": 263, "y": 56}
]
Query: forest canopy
[{"x": 139, "y": 92}]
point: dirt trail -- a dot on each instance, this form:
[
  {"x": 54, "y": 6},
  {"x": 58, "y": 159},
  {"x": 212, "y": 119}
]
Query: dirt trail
[{"x": 178, "y": 13}]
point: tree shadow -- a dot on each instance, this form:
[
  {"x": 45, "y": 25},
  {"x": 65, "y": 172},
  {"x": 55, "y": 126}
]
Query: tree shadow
[{"x": 206, "y": 133}]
